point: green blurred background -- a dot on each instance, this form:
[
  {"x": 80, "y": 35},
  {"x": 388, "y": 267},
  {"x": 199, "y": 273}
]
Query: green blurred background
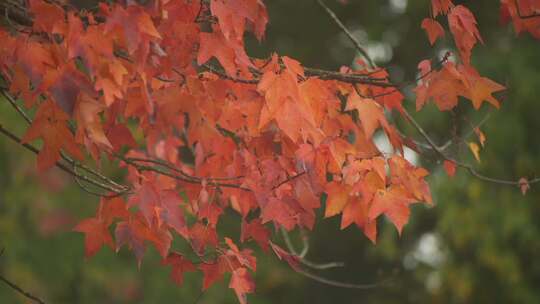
[{"x": 479, "y": 244}]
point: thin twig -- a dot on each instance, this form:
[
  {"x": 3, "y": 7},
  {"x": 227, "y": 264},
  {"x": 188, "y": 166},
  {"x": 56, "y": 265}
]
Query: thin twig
[
  {"x": 141, "y": 168},
  {"x": 450, "y": 141},
  {"x": 95, "y": 193},
  {"x": 289, "y": 179},
  {"x": 348, "y": 33},
  {"x": 335, "y": 283},
  {"x": 301, "y": 257},
  {"x": 312, "y": 72},
  {"x": 64, "y": 156},
  {"x": 305, "y": 243},
  {"x": 21, "y": 291},
  {"x": 322, "y": 74},
  {"x": 60, "y": 165},
  {"x": 181, "y": 172},
  {"x": 466, "y": 166}
]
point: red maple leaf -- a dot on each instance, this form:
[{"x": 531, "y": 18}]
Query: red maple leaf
[
  {"x": 50, "y": 124},
  {"x": 179, "y": 265}
]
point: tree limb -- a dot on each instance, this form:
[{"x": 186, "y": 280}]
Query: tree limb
[
  {"x": 60, "y": 165},
  {"x": 464, "y": 165},
  {"x": 65, "y": 157},
  {"x": 349, "y": 35}
]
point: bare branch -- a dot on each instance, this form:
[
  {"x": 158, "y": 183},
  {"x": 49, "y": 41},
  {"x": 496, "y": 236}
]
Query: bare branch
[
  {"x": 339, "y": 284},
  {"x": 182, "y": 178},
  {"x": 301, "y": 256},
  {"x": 175, "y": 169},
  {"x": 16, "y": 12},
  {"x": 64, "y": 156},
  {"x": 21, "y": 291},
  {"x": 312, "y": 72},
  {"x": 458, "y": 163},
  {"x": 322, "y": 74},
  {"x": 347, "y": 32},
  {"x": 60, "y": 165},
  {"x": 450, "y": 141},
  {"x": 289, "y": 179}
]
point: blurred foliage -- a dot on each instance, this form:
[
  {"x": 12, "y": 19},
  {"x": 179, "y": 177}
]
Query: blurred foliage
[{"x": 479, "y": 244}]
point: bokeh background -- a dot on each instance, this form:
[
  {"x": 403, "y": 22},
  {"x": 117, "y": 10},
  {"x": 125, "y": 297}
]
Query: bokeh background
[{"x": 480, "y": 243}]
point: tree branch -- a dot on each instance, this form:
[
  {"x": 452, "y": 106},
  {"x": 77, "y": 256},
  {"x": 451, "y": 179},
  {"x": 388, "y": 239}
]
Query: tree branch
[
  {"x": 19, "y": 289},
  {"x": 182, "y": 178},
  {"x": 171, "y": 167},
  {"x": 322, "y": 74},
  {"x": 349, "y": 35},
  {"x": 301, "y": 256},
  {"x": 339, "y": 284},
  {"x": 64, "y": 156},
  {"x": 466, "y": 166},
  {"x": 60, "y": 165}
]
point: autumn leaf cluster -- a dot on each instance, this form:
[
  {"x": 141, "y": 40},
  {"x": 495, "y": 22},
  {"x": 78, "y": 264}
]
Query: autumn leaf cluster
[{"x": 167, "y": 92}]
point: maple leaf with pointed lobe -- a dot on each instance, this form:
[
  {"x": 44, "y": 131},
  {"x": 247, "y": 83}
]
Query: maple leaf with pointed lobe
[
  {"x": 87, "y": 113},
  {"x": 256, "y": 231},
  {"x": 443, "y": 87},
  {"x": 337, "y": 198},
  {"x": 113, "y": 208},
  {"x": 479, "y": 89},
  {"x": 515, "y": 10},
  {"x": 370, "y": 112},
  {"x": 284, "y": 102},
  {"x": 133, "y": 24},
  {"x": 234, "y": 15},
  {"x": 433, "y": 29},
  {"x": 463, "y": 27},
  {"x": 96, "y": 229},
  {"x": 146, "y": 198},
  {"x": 179, "y": 265},
  {"x": 230, "y": 54},
  {"x": 291, "y": 259},
  {"x": 171, "y": 213},
  {"x": 280, "y": 212},
  {"x": 213, "y": 272},
  {"x": 244, "y": 257},
  {"x": 202, "y": 237},
  {"x": 441, "y": 7},
  {"x": 356, "y": 211},
  {"x": 393, "y": 203},
  {"x": 402, "y": 172},
  {"x": 135, "y": 231},
  {"x": 50, "y": 124},
  {"x": 242, "y": 283},
  {"x": 96, "y": 235},
  {"x": 48, "y": 16}
]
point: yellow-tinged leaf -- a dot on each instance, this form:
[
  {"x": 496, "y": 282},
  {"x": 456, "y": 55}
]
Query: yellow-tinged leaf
[{"x": 475, "y": 149}]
